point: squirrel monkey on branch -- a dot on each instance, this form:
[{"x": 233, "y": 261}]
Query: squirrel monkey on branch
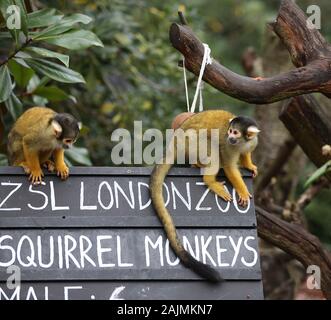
[
  {"x": 39, "y": 135},
  {"x": 237, "y": 139}
]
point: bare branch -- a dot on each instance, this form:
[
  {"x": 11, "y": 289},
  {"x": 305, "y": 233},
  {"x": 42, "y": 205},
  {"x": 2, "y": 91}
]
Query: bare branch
[
  {"x": 298, "y": 242},
  {"x": 314, "y": 75}
]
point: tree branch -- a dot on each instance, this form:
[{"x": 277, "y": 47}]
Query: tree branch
[
  {"x": 297, "y": 242},
  {"x": 309, "y": 126},
  {"x": 314, "y": 75}
]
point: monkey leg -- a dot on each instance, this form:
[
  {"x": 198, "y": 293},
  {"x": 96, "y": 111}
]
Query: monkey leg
[
  {"x": 217, "y": 187},
  {"x": 32, "y": 164},
  {"x": 246, "y": 162},
  {"x": 233, "y": 174},
  {"x": 60, "y": 166}
]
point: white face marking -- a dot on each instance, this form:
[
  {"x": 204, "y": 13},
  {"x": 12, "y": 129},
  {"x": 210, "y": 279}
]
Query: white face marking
[{"x": 234, "y": 133}]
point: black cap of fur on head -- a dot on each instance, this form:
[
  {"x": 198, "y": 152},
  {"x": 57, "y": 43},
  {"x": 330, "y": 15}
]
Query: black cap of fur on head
[
  {"x": 69, "y": 125},
  {"x": 243, "y": 123}
]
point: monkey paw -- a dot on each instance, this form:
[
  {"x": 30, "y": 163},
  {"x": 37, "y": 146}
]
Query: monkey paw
[
  {"x": 253, "y": 168},
  {"x": 49, "y": 165},
  {"x": 36, "y": 176},
  {"x": 63, "y": 172},
  {"x": 243, "y": 198},
  {"x": 218, "y": 188}
]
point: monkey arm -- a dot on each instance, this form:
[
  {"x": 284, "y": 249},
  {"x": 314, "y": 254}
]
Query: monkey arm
[
  {"x": 31, "y": 157},
  {"x": 216, "y": 187},
  {"x": 245, "y": 161},
  {"x": 61, "y": 167},
  {"x": 233, "y": 174}
]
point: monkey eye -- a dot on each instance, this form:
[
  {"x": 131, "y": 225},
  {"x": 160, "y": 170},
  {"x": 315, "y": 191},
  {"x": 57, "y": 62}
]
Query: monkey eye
[
  {"x": 230, "y": 130},
  {"x": 68, "y": 141},
  {"x": 235, "y": 132}
]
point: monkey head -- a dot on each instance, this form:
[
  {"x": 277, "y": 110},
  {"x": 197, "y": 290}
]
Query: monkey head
[
  {"x": 66, "y": 129},
  {"x": 242, "y": 130}
]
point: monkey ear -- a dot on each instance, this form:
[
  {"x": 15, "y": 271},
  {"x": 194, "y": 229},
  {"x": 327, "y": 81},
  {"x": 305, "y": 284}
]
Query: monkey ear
[
  {"x": 252, "y": 131},
  {"x": 80, "y": 125},
  {"x": 57, "y": 128},
  {"x": 230, "y": 120}
]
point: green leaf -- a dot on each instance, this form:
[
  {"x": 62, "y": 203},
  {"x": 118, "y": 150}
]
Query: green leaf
[
  {"x": 52, "y": 93},
  {"x": 318, "y": 173},
  {"x": 22, "y": 75},
  {"x": 43, "y": 18},
  {"x": 49, "y": 54},
  {"x": 78, "y": 155},
  {"x": 33, "y": 83},
  {"x": 6, "y": 86},
  {"x": 23, "y": 14},
  {"x": 75, "y": 40},
  {"x": 63, "y": 25},
  {"x": 14, "y": 106},
  {"x": 11, "y": 15},
  {"x": 4, "y": 6},
  {"x": 39, "y": 101},
  {"x": 55, "y": 71}
]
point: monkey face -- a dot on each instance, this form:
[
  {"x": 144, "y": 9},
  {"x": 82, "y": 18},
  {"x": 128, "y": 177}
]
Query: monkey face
[
  {"x": 66, "y": 129},
  {"x": 234, "y": 136},
  {"x": 241, "y": 130},
  {"x": 68, "y": 142}
]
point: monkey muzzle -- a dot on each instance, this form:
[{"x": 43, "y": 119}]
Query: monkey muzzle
[{"x": 232, "y": 140}]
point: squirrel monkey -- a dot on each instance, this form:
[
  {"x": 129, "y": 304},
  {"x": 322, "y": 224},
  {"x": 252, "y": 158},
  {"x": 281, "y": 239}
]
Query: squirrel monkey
[
  {"x": 39, "y": 135},
  {"x": 237, "y": 139}
]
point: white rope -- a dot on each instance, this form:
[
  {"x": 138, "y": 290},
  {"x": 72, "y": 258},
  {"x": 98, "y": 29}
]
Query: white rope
[
  {"x": 186, "y": 90},
  {"x": 201, "y": 99},
  {"x": 205, "y": 60}
]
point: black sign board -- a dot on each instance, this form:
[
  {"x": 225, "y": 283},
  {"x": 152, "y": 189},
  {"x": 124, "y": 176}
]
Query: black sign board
[{"x": 96, "y": 236}]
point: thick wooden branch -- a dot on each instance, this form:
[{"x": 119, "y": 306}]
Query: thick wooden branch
[
  {"x": 298, "y": 242},
  {"x": 309, "y": 125},
  {"x": 307, "y": 47},
  {"x": 303, "y": 43}
]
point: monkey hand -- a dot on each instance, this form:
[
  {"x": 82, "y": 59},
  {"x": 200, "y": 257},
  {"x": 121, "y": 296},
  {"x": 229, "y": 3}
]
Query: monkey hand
[
  {"x": 36, "y": 176},
  {"x": 253, "y": 168},
  {"x": 218, "y": 188},
  {"x": 62, "y": 171},
  {"x": 243, "y": 197}
]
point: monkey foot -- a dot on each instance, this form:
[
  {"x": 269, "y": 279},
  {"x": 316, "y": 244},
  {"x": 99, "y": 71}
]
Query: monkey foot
[
  {"x": 63, "y": 172},
  {"x": 243, "y": 198},
  {"x": 258, "y": 78},
  {"x": 49, "y": 165},
  {"x": 36, "y": 176},
  {"x": 218, "y": 188}
]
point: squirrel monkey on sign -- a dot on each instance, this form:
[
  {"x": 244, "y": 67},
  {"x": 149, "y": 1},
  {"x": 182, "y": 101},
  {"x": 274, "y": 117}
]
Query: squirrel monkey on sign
[
  {"x": 38, "y": 138},
  {"x": 237, "y": 139}
]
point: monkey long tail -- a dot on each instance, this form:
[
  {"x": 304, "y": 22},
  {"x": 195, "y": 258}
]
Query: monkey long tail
[{"x": 157, "y": 178}]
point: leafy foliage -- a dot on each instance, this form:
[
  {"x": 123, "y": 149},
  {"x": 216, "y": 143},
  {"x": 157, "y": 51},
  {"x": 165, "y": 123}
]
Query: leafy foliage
[
  {"x": 318, "y": 174},
  {"x": 32, "y": 62}
]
